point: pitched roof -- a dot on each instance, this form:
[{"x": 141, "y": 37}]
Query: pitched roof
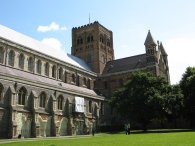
[
  {"x": 149, "y": 39},
  {"x": 26, "y": 41},
  {"x": 25, "y": 76},
  {"x": 125, "y": 64}
]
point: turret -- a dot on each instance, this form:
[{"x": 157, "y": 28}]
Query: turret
[{"x": 150, "y": 46}]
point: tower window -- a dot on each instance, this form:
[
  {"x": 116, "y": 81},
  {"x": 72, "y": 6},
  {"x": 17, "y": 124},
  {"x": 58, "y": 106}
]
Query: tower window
[
  {"x": 79, "y": 41},
  {"x": 101, "y": 39},
  {"x": 90, "y": 38}
]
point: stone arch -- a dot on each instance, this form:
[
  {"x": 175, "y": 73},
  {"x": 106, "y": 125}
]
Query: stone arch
[
  {"x": 63, "y": 129},
  {"x": 21, "y": 61},
  {"x": 23, "y": 125},
  {"x": 11, "y": 58},
  {"x": 45, "y": 126}
]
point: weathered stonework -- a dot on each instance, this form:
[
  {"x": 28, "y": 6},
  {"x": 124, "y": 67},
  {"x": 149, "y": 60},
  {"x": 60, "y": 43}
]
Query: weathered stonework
[{"x": 38, "y": 91}]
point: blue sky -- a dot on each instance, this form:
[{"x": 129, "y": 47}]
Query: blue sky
[{"x": 51, "y": 21}]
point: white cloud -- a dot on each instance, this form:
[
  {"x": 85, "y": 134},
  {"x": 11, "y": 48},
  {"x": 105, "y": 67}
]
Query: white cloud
[
  {"x": 52, "y": 27},
  {"x": 181, "y": 55},
  {"x": 52, "y": 42}
]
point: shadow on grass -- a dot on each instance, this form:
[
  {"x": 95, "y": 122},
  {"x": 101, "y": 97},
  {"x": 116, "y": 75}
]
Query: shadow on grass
[{"x": 154, "y": 131}]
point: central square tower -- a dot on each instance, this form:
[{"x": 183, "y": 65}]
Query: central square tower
[{"x": 94, "y": 44}]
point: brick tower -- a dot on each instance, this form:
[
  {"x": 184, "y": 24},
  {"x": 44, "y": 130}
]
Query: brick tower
[{"x": 94, "y": 44}]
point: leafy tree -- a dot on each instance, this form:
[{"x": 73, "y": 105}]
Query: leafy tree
[
  {"x": 141, "y": 98},
  {"x": 173, "y": 103},
  {"x": 187, "y": 84}
]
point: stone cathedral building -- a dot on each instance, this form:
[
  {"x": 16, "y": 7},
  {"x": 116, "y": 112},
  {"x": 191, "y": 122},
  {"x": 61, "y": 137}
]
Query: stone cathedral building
[{"x": 46, "y": 92}]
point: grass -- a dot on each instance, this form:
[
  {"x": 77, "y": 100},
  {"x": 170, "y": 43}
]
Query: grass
[{"x": 141, "y": 139}]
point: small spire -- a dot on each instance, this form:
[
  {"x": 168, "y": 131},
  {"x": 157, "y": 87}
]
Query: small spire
[
  {"x": 162, "y": 49},
  {"x": 89, "y": 18},
  {"x": 149, "y": 39}
]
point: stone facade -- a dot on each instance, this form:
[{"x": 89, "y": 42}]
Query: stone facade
[
  {"x": 112, "y": 74},
  {"x": 38, "y": 92},
  {"x": 94, "y": 44},
  {"x": 37, "y": 95}
]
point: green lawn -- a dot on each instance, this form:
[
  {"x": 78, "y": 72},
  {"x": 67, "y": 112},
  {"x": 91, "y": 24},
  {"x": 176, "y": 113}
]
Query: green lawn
[{"x": 142, "y": 139}]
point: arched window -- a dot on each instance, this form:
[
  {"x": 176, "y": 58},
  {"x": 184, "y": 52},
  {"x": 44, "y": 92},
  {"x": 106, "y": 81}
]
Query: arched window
[
  {"x": 54, "y": 71},
  {"x": 21, "y": 61},
  {"x": 60, "y": 102},
  {"x": 108, "y": 43},
  {"x": 73, "y": 78},
  {"x": 60, "y": 73},
  {"x": 1, "y": 92},
  {"x": 11, "y": 58},
  {"x": 38, "y": 67},
  {"x": 90, "y": 106},
  {"x": 22, "y": 96},
  {"x": 88, "y": 84},
  {"x": 42, "y": 100},
  {"x": 101, "y": 38},
  {"x": 89, "y": 39},
  {"x": 2, "y": 55},
  {"x": 30, "y": 64},
  {"x": 47, "y": 69},
  {"x": 84, "y": 81},
  {"x": 79, "y": 41}
]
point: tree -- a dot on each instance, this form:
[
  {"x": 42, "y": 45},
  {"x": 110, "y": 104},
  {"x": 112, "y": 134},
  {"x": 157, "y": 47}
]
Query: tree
[
  {"x": 173, "y": 103},
  {"x": 140, "y": 100},
  {"x": 187, "y": 84}
]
